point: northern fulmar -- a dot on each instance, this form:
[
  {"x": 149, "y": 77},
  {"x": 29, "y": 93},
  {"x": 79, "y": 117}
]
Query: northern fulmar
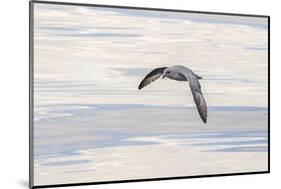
[{"x": 180, "y": 73}]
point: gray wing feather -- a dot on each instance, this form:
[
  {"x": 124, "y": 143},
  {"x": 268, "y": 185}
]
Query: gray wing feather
[
  {"x": 198, "y": 98},
  {"x": 152, "y": 76}
]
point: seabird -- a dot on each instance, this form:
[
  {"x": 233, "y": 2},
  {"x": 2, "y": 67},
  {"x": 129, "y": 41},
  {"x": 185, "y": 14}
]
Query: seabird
[{"x": 180, "y": 73}]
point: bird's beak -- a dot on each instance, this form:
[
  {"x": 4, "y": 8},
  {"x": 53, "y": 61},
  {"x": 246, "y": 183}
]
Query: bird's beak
[{"x": 163, "y": 76}]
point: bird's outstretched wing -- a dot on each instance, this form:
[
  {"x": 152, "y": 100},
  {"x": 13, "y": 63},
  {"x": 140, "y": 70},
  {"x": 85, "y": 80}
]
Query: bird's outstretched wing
[
  {"x": 152, "y": 76},
  {"x": 198, "y": 98}
]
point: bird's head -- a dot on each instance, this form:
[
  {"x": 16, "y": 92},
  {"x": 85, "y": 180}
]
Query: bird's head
[{"x": 167, "y": 73}]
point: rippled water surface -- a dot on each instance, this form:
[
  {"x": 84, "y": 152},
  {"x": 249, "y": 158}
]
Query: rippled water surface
[{"x": 92, "y": 124}]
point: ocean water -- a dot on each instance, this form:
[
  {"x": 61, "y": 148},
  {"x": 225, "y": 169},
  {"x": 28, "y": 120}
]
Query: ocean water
[
  {"x": 92, "y": 124},
  {"x": 79, "y": 143},
  {"x": 99, "y": 124}
]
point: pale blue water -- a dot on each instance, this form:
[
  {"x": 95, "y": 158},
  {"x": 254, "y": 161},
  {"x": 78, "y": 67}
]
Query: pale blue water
[
  {"x": 62, "y": 134},
  {"x": 88, "y": 63}
]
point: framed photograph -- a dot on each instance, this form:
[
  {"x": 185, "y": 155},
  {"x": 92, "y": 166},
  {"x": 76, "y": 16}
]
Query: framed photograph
[{"x": 126, "y": 94}]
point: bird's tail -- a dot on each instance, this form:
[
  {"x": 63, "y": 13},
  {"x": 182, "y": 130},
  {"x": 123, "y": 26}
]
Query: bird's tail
[{"x": 198, "y": 77}]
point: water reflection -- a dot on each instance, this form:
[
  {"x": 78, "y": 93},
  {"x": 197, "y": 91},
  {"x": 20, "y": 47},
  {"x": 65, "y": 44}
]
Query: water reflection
[
  {"x": 88, "y": 64},
  {"x": 69, "y": 131}
]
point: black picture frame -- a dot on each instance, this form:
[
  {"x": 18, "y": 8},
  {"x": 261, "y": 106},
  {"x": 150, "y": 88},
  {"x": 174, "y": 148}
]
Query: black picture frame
[{"x": 31, "y": 93}]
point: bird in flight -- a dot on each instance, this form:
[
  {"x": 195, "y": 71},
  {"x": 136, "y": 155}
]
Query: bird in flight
[{"x": 180, "y": 73}]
